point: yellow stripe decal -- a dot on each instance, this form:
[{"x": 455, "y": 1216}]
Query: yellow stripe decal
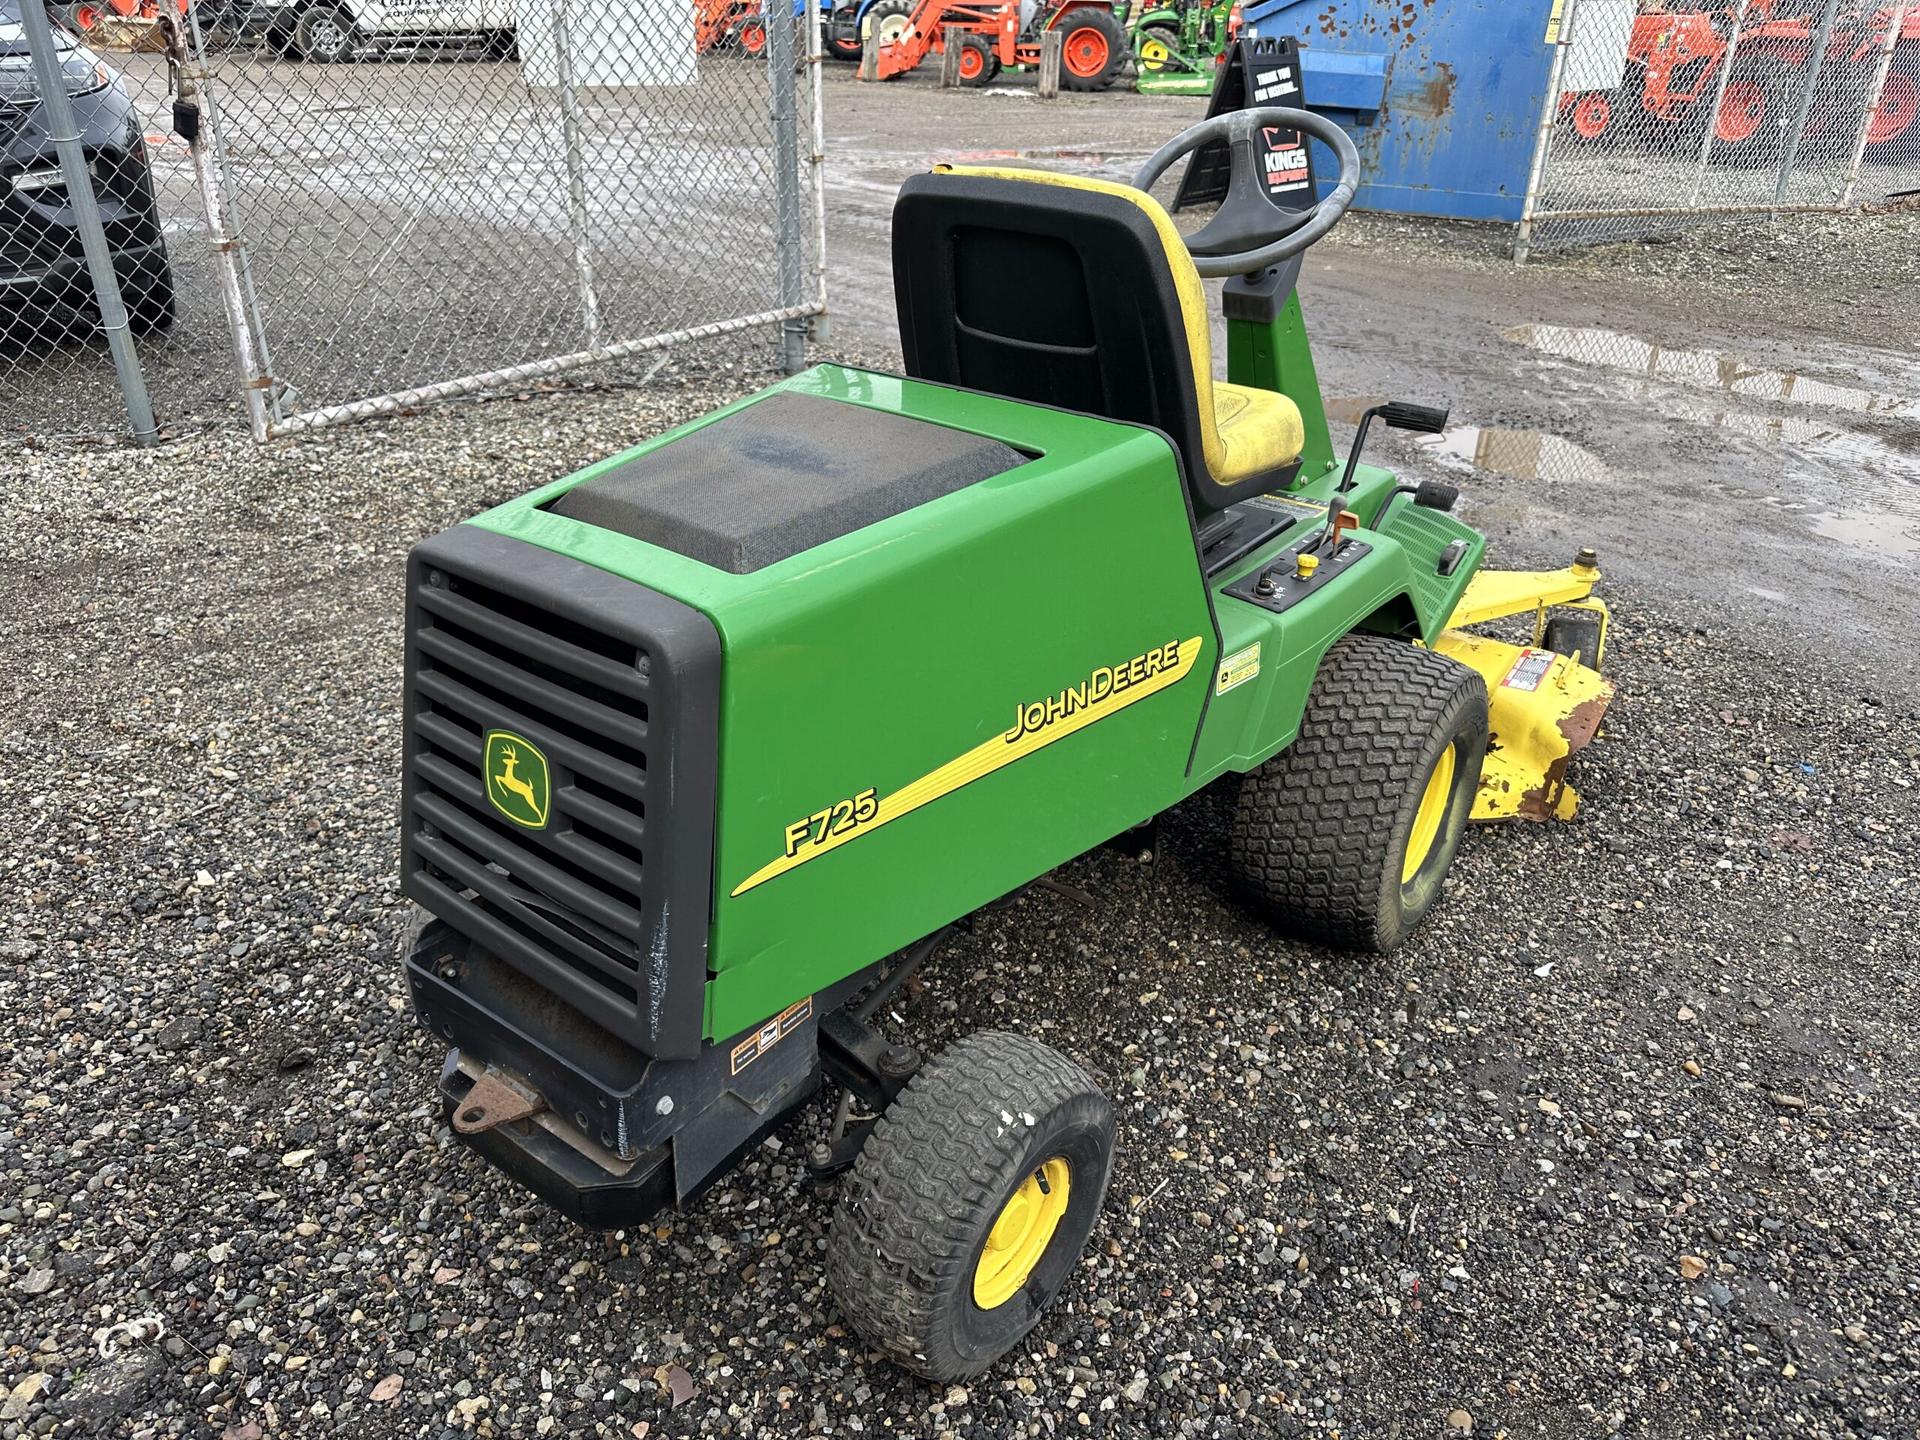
[{"x": 984, "y": 759}]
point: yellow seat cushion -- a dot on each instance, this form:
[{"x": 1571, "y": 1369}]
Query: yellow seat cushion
[
  {"x": 1259, "y": 430},
  {"x": 1243, "y": 430}
]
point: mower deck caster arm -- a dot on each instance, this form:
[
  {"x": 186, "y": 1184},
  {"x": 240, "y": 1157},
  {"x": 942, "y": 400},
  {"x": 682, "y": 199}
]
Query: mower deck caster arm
[{"x": 867, "y": 1067}]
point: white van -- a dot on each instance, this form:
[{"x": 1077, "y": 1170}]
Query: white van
[{"x": 335, "y": 30}]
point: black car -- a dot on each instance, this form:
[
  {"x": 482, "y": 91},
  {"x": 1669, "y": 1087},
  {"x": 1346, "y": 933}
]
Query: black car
[{"x": 43, "y": 270}]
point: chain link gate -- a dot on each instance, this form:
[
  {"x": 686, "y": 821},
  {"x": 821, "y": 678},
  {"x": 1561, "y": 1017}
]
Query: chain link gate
[
  {"x": 367, "y": 206},
  {"x": 1662, "y": 111}
]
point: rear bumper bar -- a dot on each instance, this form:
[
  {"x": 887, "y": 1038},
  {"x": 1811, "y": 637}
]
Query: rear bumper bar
[
  {"x": 616, "y": 1135},
  {"x": 133, "y": 266},
  {"x": 538, "y": 1154}
]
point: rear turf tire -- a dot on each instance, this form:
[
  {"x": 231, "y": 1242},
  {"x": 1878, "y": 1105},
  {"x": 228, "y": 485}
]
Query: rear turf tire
[
  {"x": 1094, "y": 49},
  {"x": 1748, "y": 128},
  {"x": 1385, "y": 768},
  {"x": 993, "y": 1115}
]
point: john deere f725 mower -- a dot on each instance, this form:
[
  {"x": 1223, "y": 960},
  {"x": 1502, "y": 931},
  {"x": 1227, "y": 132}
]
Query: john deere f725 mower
[{"x": 707, "y": 745}]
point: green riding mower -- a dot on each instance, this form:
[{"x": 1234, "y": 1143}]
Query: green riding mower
[
  {"x": 1179, "y": 49},
  {"x": 708, "y": 745}
]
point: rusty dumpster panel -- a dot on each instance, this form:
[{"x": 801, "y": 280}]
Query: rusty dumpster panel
[{"x": 1443, "y": 97}]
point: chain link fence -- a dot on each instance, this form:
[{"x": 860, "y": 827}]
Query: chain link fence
[
  {"x": 78, "y": 213},
  {"x": 1671, "y": 110},
  {"x": 344, "y": 208}
]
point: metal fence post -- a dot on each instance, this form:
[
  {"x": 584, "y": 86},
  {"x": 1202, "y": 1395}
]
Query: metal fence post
[
  {"x": 1812, "y": 83},
  {"x": 194, "y": 120},
  {"x": 65, "y": 136},
  {"x": 817, "y": 159},
  {"x": 788, "y": 249},
  {"x": 577, "y": 218},
  {"x": 1719, "y": 99},
  {"x": 1896, "y": 21},
  {"x": 193, "y": 70},
  {"x": 1543, "y": 142}
]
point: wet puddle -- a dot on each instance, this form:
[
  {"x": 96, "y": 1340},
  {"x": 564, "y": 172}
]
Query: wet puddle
[
  {"x": 1879, "y": 535},
  {"x": 1704, "y": 370},
  {"x": 1884, "y": 532},
  {"x": 1889, "y": 529},
  {"x": 1348, "y": 409},
  {"x": 1520, "y": 454},
  {"x": 1085, "y": 157}
]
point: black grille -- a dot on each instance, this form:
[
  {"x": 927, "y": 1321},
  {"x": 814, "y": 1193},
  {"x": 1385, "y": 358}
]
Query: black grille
[{"x": 595, "y": 672}]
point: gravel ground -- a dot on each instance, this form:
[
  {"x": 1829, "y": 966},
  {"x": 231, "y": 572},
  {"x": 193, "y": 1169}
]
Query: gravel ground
[
  {"x": 1852, "y": 276},
  {"x": 1623, "y": 1143}
]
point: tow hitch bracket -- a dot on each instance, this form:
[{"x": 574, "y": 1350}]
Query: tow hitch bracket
[{"x": 498, "y": 1097}]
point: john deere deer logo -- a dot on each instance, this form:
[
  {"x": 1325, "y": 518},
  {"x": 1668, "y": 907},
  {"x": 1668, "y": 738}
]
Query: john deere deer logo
[{"x": 517, "y": 781}]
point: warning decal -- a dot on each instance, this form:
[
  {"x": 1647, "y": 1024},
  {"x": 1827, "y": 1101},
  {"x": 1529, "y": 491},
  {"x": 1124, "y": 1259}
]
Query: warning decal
[
  {"x": 1238, "y": 668},
  {"x": 771, "y": 1034},
  {"x": 1529, "y": 670}
]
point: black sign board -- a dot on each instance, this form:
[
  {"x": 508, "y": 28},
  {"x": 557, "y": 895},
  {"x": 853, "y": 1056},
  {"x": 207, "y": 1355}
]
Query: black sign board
[{"x": 1257, "y": 73}]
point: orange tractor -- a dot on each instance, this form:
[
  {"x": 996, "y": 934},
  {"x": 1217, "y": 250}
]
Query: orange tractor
[
  {"x": 1093, "y": 51},
  {"x": 1677, "y": 51},
  {"x": 86, "y": 17},
  {"x": 742, "y": 25},
  {"x": 717, "y": 24}
]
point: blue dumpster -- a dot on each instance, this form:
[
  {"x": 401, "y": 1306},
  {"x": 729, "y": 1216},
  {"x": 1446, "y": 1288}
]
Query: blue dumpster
[{"x": 1443, "y": 97}]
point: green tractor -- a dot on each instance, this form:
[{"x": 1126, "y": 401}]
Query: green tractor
[
  {"x": 708, "y": 745},
  {"x": 1178, "y": 49}
]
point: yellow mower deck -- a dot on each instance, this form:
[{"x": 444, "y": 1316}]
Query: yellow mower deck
[{"x": 1543, "y": 707}]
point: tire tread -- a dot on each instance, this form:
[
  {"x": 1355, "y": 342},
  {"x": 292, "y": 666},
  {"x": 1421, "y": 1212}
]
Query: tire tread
[
  {"x": 909, "y": 1212},
  {"x": 1314, "y": 824}
]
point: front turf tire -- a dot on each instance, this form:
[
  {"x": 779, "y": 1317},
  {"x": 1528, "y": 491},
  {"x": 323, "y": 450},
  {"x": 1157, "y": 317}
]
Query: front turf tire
[
  {"x": 1347, "y": 835},
  {"x": 993, "y": 1117}
]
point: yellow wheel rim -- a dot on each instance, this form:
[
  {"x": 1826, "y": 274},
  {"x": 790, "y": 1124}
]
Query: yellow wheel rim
[
  {"x": 1021, "y": 1234},
  {"x": 1426, "y": 820},
  {"x": 1154, "y": 55}
]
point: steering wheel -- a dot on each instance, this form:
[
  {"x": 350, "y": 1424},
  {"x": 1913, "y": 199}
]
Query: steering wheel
[{"x": 1248, "y": 234}]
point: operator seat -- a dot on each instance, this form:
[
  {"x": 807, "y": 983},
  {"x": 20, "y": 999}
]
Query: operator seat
[{"x": 1079, "y": 293}]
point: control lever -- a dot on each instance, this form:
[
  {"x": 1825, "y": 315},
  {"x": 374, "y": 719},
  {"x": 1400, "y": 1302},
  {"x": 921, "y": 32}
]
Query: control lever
[
  {"x": 1431, "y": 494},
  {"x": 1401, "y": 415},
  {"x": 1338, "y": 517},
  {"x": 1421, "y": 419}
]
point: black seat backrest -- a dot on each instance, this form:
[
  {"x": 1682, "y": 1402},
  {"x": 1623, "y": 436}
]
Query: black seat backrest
[{"x": 1041, "y": 292}]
